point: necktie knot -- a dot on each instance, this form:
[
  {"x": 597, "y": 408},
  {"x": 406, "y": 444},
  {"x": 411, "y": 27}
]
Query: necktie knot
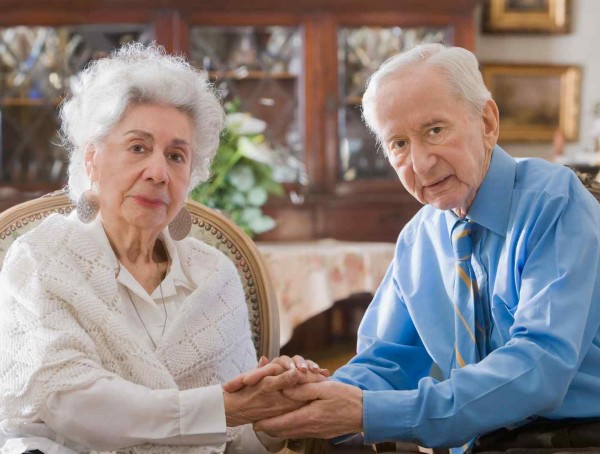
[{"x": 462, "y": 243}]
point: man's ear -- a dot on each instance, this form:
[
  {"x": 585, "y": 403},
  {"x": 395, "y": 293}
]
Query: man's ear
[
  {"x": 491, "y": 123},
  {"x": 89, "y": 162}
]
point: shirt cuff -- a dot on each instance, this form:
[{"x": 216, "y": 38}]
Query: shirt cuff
[
  {"x": 388, "y": 415},
  {"x": 202, "y": 412}
]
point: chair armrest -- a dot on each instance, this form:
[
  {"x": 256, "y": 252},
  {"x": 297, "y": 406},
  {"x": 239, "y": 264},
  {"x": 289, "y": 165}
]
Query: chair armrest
[
  {"x": 406, "y": 448},
  {"x": 307, "y": 446}
]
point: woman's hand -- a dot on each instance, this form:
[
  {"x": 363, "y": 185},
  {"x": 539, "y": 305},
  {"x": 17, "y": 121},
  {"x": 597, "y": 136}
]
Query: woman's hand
[
  {"x": 309, "y": 372},
  {"x": 262, "y": 400}
]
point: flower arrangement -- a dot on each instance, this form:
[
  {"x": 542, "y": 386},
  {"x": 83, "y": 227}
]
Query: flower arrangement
[{"x": 242, "y": 175}]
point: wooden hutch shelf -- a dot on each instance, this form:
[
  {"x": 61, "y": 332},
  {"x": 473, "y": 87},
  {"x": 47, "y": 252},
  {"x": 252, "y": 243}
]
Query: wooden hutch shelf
[{"x": 333, "y": 204}]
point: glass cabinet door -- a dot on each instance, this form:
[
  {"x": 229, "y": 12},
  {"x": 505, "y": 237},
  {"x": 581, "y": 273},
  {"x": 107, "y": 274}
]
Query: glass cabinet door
[
  {"x": 361, "y": 51},
  {"x": 259, "y": 70},
  {"x": 38, "y": 66}
]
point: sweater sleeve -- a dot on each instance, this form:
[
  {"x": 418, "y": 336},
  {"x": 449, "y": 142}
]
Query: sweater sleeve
[{"x": 114, "y": 413}]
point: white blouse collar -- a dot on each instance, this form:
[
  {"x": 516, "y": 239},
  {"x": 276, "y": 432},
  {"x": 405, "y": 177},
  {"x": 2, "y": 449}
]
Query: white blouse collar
[{"x": 175, "y": 276}]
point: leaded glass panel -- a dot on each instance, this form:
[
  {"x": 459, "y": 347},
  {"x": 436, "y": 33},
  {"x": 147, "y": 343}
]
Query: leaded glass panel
[
  {"x": 362, "y": 50},
  {"x": 259, "y": 69},
  {"x": 38, "y": 66}
]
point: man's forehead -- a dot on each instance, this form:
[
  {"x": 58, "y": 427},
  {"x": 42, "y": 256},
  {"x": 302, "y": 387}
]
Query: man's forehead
[
  {"x": 416, "y": 76},
  {"x": 415, "y": 101}
]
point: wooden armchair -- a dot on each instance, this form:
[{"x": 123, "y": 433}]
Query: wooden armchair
[
  {"x": 590, "y": 183},
  {"x": 212, "y": 228}
]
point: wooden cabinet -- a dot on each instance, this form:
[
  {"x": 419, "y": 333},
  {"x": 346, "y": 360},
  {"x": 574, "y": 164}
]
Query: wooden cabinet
[{"x": 300, "y": 66}]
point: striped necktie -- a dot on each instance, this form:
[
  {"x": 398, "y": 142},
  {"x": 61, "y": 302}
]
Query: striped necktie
[
  {"x": 465, "y": 293},
  {"x": 469, "y": 328}
]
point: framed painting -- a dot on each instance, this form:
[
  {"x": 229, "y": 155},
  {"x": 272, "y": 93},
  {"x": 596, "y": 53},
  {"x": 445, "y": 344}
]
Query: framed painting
[
  {"x": 527, "y": 16},
  {"x": 535, "y": 101}
]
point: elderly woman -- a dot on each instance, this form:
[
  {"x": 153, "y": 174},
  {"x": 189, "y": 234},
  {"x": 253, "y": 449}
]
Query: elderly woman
[{"x": 116, "y": 331}]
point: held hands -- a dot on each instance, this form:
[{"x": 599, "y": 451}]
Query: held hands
[
  {"x": 261, "y": 400},
  {"x": 309, "y": 372},
  {"x": 257, "y": 394},
  {"x": 292, "y": 398},
  {"x": 334, "y": 409}
]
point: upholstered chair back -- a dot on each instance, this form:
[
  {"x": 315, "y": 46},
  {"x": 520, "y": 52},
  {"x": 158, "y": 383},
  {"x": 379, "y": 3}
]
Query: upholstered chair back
[{"x": 208, "y": 226}]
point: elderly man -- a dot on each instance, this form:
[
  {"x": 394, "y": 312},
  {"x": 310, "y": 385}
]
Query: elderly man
[{"x": 496, "y": 281}]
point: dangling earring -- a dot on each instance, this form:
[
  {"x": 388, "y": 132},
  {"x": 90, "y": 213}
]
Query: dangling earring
[
  {"x": 88, "y": 205},
  {"x": 180, "y": 227}
]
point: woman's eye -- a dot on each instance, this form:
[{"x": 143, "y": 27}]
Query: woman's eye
[
  {"x": 176, "y": 157},
  {"x": 137, "y": 148}
]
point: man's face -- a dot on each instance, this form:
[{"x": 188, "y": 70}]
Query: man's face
[{"x": 438, "y": 147}]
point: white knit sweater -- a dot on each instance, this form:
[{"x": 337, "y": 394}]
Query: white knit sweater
[{"x": 61, "y": 326}]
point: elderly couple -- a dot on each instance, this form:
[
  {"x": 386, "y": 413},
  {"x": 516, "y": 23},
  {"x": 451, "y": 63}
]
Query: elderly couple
[{"x": 119, "y": 334}]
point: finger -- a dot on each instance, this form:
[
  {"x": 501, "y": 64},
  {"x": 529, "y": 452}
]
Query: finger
[
  {"x": 254, "y": 376},
  {"x": 312, "y": 366},
  {"x": 263, "y": 361},
  {"x": 325, "y": 372},
  {"x": 235, "y": 384},
  {"x": 300, "y": 363},
  {"x": 281, "y": 381},
  {"x": 284, "y": 361}
]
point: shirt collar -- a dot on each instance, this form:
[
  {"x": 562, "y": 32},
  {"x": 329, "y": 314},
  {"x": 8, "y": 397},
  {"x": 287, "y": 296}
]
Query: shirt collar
[
  {"x": 175, "y": 276},
  {"x": 491, "y": 207}
]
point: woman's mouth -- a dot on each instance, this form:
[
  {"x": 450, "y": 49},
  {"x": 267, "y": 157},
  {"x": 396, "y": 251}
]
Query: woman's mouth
[{"x": 148, "y": 202}]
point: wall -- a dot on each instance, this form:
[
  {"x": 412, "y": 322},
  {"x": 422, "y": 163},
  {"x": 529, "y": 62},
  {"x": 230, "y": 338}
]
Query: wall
[{"x": 580, "y": 47}]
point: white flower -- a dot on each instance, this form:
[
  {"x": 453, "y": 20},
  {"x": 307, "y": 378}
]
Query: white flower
[
  {"x": 257, "y": 152},
  {"x": 262, "y": 224},
  {"x": 244, "y": 124},
  {"x": 242, "y": 177}
]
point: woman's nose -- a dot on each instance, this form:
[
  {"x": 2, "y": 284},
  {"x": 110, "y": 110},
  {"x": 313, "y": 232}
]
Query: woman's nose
[{"x": 157, "y": 168}]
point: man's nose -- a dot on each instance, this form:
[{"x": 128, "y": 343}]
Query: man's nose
[{"x": 422, "y": 159}]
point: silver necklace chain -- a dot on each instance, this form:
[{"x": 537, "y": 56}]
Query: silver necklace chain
[{"x": 142, "y": 320}]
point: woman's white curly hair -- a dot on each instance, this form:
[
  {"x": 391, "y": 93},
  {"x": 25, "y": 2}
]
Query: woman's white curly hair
[{"x": 138, "y": 74}]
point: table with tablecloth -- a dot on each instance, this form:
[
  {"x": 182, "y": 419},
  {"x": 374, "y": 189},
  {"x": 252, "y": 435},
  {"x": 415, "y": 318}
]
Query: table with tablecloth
[{"x": 309, "y": 277}]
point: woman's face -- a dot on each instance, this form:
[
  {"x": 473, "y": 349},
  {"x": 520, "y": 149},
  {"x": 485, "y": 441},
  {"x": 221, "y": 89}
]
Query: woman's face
[{"x": 143, "y": 167}]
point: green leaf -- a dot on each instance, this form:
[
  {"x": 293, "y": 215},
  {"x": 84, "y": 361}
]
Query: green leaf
[{"x": 257, "y": 196}]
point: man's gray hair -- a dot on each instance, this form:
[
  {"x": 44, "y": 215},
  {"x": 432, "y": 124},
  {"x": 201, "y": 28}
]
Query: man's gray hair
[
  {"x": 459, "y": 66},
  {"x": 138, "y": 74}
]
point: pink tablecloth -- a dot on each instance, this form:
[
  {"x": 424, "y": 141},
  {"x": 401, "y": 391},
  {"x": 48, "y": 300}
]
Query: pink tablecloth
[{"x": 310, "y": 276}]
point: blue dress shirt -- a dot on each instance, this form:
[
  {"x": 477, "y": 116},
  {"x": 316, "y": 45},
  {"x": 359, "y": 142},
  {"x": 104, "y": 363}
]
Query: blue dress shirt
[{"x": 536, "y": 257}]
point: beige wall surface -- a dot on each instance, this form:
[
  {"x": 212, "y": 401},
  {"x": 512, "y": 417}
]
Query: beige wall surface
[{"x": 580, "y": 47}]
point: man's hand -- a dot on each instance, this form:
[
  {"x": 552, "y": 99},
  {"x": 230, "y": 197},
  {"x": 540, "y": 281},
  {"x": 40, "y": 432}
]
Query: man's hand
[
  {"x": 262, "y": 400},
  {"x": 310, "y": 372},
  {"x": 336, "y": 410}
]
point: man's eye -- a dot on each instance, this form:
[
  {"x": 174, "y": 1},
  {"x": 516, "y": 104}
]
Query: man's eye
[
  {"x": 435, "y": 134},
  {"x": 399, "y": 144}
]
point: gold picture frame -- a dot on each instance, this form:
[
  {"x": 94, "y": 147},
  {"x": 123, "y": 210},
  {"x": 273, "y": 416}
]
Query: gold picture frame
[
  {"x": 527, "y": 16},
  {"x": 535, "y": 101}
]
